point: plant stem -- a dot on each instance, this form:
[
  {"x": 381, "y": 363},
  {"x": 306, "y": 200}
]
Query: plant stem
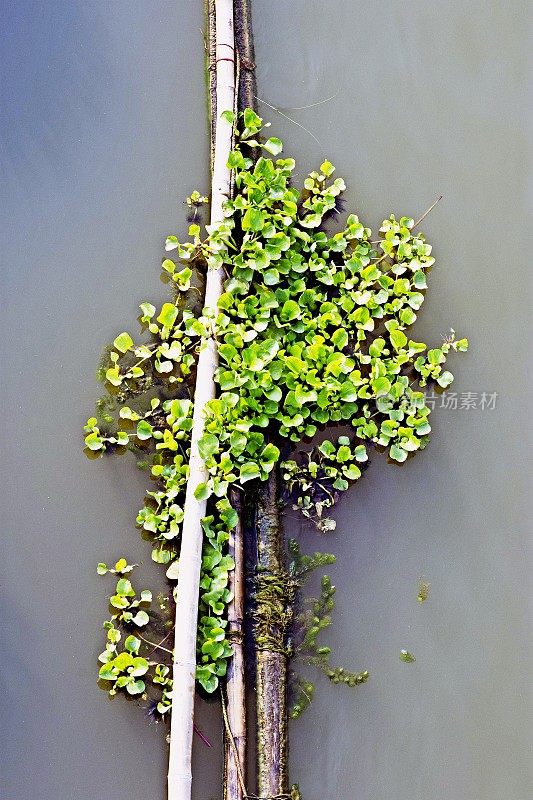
[{"x": 187, "y": 591}]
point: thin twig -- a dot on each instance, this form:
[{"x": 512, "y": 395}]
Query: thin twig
[
  {"x": 424, "y": 215},
  {"x": 232, "y": 743},
  {"x": 155, "y": 646},
  {"x": 290, "y": 119},
  {"x": 312, "y": 105}
]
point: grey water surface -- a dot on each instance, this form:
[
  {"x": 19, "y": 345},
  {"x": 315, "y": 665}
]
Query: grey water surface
[{"x": 103, "y": 134}]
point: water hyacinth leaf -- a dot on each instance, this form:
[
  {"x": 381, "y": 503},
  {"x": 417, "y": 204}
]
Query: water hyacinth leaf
[
  {"x": 435, "y": 356},
  {"x": 94, "y": 442},
  {"x": 273, "y": 145},
  {"x": 113, "y": 376},
  {"x": 169, "y": 266},
  {"x": 327, "y": 168},
  {"x": 124, "y": 588},
  {"x": 290, "y": 311},
  {"x": 340, "y": 338},
  {"x": 381, "y": 386},
  {"x": 171, "y": 243},
  {"x": 141, "y": 618},
  {"x": 173, "y": 571},
  {"x": 398, "y": 453},
  {"x": 445, "y": 379},
  {"x": 144, "y": 430},
  {"x": 249, "y": 471},
  {"x": 132, "y": 644},
  {"x": 168, "y": 315},
  {"x": 202, "y": 491},
  {"x": 253, "y": 220},
  {"x": 137, "y": 687},
  {"x": 148, "y": 311},
  {"x": 208, "y": 445},
  {"x": 123, "y": 342},
  {"x": 127, "y": 413},
  {"x": 398, "y": 339}
]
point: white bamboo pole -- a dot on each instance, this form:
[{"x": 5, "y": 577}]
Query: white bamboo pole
[{"x": 181, "y": 728}]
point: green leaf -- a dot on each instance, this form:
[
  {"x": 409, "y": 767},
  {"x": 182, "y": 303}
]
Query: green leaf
[
  {"x": 208, "y": 445},
  {"x": 141, "y": 618},
  {"x": 168, "y": 315},
  {"x": 102, "y": 568},
  {"x": 340, "y": 338},
  {"x": 169, "y": 266},
  {"x": 398, "y": 453},
  {"x": 123, "y": 342},
  {"x": 435, "y": 356},
  {"x": 273, "y": 145},
  {"x": 445, "y": 379},
  {"x": 381, "y": 386},
  {"x": 271, "y": 277},
  {"x": 132, "y": 644},
  {"x": 419, "y": 279},
  {"x": 202, "y": 491},
  {"x": 398, "y": 339},
  {"x": 270, "y": 454},
  {"x": 352, "y": 472},
  {"x": 107, "y": 672},
  {"x": 148, "y": 311},
  {"x": 229, "y": 116},
  {"x": 144, "y": 430},
  {"x": 290, "y": 311},
  {"x": 94, "y": 442},
  {"x": 249, "y": 471},
  {"x": 173, "y": 571},
  {"x": 171, "y": 243},
  {"x": 327, "y": 448},
  {"x": 124, "y": 588},
  {"x": 137, "y": 687},
  {"x": 113, "y": 376},
  {"x": 252, "y": 120},
  {"x": 253, "y": 220}
]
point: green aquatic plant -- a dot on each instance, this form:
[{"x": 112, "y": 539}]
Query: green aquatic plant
[
  {"x": 407, "y": 657},
  {"x": 315, "y": 616},
  {"x": 312, "y": 332},
  {"x": 423, "y": 590}
]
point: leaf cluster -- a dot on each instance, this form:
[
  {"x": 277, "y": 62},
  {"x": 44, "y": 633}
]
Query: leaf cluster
[{"x": 312, "y": 331}]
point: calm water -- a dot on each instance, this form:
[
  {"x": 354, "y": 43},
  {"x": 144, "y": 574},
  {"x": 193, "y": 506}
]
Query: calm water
[{"x": 103, "y": 135}]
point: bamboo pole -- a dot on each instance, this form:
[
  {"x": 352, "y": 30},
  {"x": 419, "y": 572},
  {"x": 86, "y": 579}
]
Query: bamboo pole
[
  {"x": 235, "y": 744},
  {"x": 271, "y": 657},
  {"x": 184, "y": 666},
  {"x": 235, "y": 739},
  {"x": 211, "y": 54},
  {"x": 247, "y": 90}
]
